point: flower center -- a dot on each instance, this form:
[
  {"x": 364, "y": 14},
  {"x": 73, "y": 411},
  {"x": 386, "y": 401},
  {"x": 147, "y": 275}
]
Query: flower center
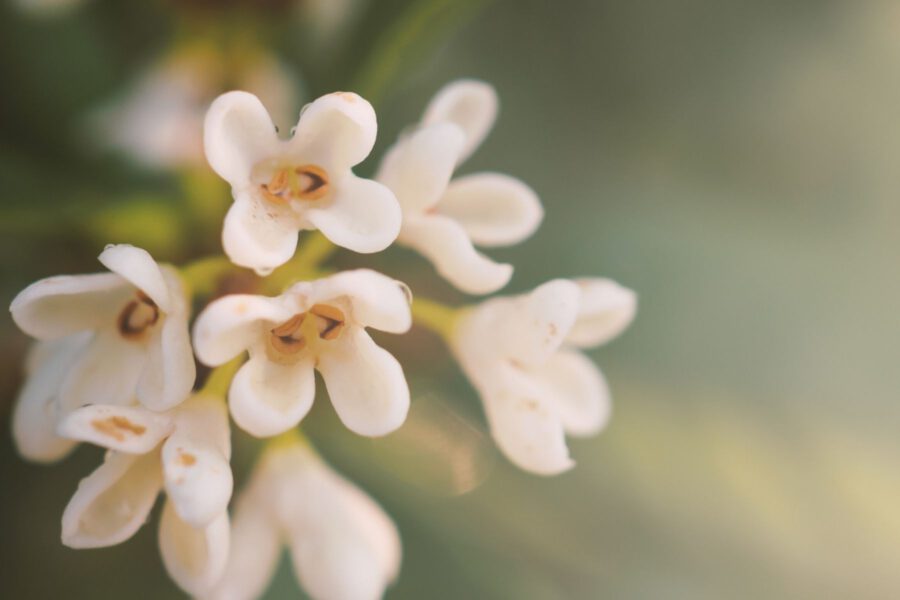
[
  {"x": 138, "y": 316},
  {"x": 321, "y": 322},
  {"x": 308, "y": 182}
]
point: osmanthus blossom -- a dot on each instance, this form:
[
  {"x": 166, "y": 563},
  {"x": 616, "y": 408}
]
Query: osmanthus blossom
[
  {"x": 38, "y": 409},
  {"x": 134, "y": 337},
  {"x": 184, "y": 451},
  {"x": 442, "y": 219},
  {"x": 158, "y": 121},
  {"x": 521, "y": 354},
  {"x": 342, "y": 544},
  {"x": 283, "y": 186},
  {"x": 314, "y": 325}
]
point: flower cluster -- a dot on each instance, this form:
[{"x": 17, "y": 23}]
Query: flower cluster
[{"x": 114, "y": 363}]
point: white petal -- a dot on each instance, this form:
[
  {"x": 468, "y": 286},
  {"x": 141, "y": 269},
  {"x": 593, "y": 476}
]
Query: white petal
[
  {"x": 254, "y": 551},
  {"x": 374, "y": 300},
  {"x": 138, "y": 267},
  {"x": 535, "y": 326},
  {"x": 418, "y": 167},
  {"x": 238, "y": 133},
  {"x": 59, "y": 306},
  {"x": 494, "y": 209},
  {"x": 343, "y": 545},
  {"x": 362, "y": 215},
  {"x": 579, "y": 391},
  {"x": 267, "y": 398},
  {"x": 195, "y": 460},
  {"x": 37, "y": 408},
  {"x": 258, "y": 234},
  {"x": 366, "y": 384},
  {"x": 336, "y": 131},
  {"x": 170, "y": 372},
  {"x": 525, "y": 423},
  {"x": 128, "y": 429},
  {"x": 107, "y": 372},
  {"x": 606, "y": 310},
  {"x": 195, "y": 558},
  {"x": 231, "y": 324},
  {"x": 112, "y": 502},
  {"x": 444, "y": 242},
  {"x": 470, "y": 104}
]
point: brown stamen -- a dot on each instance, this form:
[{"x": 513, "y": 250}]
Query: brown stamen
[
  {"x": 117, "y": 427},
  {"x": 138, "y": 316},
  {"x": 330, "y": 321},
  {"x": 287, "y": 337},
  {"x": 312, "y": 182}
]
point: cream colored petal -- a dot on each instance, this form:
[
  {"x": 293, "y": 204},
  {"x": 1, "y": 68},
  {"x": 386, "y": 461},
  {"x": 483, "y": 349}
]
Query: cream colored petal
[
  {"x": 362, "y": 215},
  {"x": 494, "y": 209},
  {"x": 237, "y": 134},
  {"x": 128, "y": 429},
  {"x": 470, "y": 104},
  {"x": 418, "y": 167},
  {"x": 37, "y": 408},
  {"x": 605, "y": 311},
  {"x": 194, "y": 557},
  {"x": 169, "y": 372},
  {"x": 525, "y": 422},
  {"x": 365, "y": 382},
  {"x": 231, "y": 324},
  {"x": 137, "y": 267},
  {"x": 578, "y": 389},
  {"x": 336, "y": 131},
  {"x": 444, "y": 242},
  {"x": 254, "y": 550},
  {"x": 374, "y": 300},
  {"x": 267, "y": 398},
  {"x": 59, "y": 306},
  {"x": 536, "y": 324},
  {"x": 342, "y": 543},
  {"x": 259, "y": 235},
  {"x": 112, "y": 502},
  {"x": 195, "y": 460},
  {"x": 107, "y": 372}
]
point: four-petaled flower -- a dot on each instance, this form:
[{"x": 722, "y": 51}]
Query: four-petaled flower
[
  {"x": 343, "y": 546},
  {"x": 184, "y": 451},
  {"x": 305, "y": 182},
  {"x": 534, "y": 386},
  {"x": 139, "y": 343},
  {"x": 442, "y": 218},
  {"x": 314, "y": 325}
]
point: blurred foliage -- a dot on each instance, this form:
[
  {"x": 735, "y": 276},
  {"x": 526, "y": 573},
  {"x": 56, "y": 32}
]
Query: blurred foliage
[{"x": 733, "y": 161}]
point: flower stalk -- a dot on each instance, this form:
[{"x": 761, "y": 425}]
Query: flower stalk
[{"x": 435, "y": 316}]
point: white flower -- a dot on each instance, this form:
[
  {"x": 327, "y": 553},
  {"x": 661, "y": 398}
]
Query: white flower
[
  {"x": 536, "y": 388},
  {"x": 305, "y": 182},
  {"x": 314, "y": 325},
  {"x": 343, "y": 546},
  {"x": 38, "y": 408},
  {"x": 137, "y": 316},
  {"x": 442, "y": 218},
  {"x": 159, "y": 121},
  {"x": 186, "y": 452}
]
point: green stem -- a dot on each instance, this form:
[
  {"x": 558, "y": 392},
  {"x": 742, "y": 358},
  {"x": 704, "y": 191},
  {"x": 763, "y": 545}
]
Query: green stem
[
  {"x": 219, "y": 379},
  {"x": 423, "y": 22},
  {"x": 435, "y": 316},
  {"x": 203, "y": 275},
  {"x": 305, "y": 265},
  {"x": 290, "y": 437}
]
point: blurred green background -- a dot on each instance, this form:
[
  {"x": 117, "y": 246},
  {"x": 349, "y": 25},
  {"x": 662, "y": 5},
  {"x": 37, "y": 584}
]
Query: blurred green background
[{"x": 734, "y": 161}]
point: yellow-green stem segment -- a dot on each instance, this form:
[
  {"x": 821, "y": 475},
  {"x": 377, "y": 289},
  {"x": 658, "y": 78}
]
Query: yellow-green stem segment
[
  {"x": 219, "y": 379},
  {"x": 435, "y": 316}
]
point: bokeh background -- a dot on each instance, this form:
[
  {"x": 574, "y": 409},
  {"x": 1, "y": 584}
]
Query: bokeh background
[{"x": 734, "y": 161}]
